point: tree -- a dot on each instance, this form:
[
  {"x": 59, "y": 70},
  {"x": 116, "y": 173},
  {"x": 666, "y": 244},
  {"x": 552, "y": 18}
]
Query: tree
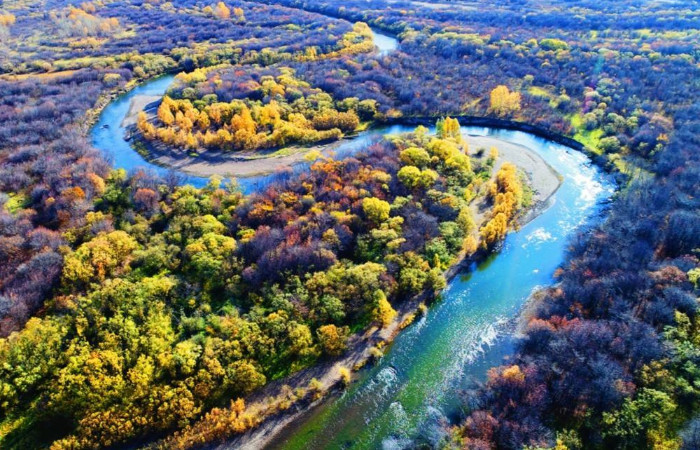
[
  {"x": 222, "y": 11},
  {"x": 609, "y": 144},
  {"x": 638, "y": 419},
  {"x": 553, "y": 44},
  {"x": 470, "y": 245},
  {"x": 7, "y": 19},
  {"x": 165, "y": 115},
  {"x": 382, "y": 311},
  {"x": 147, "y": 128},
  {"x": 415, "y": 156},
  {"x": 203, "y": 121},
  {"x": 245, "y": 377},
  {"x": 270, "y": 114},
  {"x": 412, "y": 177},
  {"x": 28, "y": 358},
  {"x": 104, "y": 256},
  {"x": 504, "y": 102},
  {"x": 375, "y": 209},
  {"x": 333, "y": 339},
  {"x": 243, "y": 121},
  {"x": 494, "y": 230},
  {"x": 367, "y": 109},
  {"x": 448, "y": 128},
  {"x": 207, "y": 257},
  {"x": 238, "y": 12}
]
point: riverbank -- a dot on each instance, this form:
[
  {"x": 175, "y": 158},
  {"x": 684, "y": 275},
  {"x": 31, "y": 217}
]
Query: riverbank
[{"x": 541, "y": 177}]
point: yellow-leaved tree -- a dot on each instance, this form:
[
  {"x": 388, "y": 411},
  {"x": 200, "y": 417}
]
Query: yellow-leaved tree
[
  {"x": 504, "y": 102},
  {"x": 382, "y": 311},
  {"x": 222, "y": 11}
]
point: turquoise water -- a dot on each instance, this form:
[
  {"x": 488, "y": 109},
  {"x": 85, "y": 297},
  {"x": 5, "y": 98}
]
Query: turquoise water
[
  {"x": 410, "y": 394},
  {"x": 108, "y": 134}
]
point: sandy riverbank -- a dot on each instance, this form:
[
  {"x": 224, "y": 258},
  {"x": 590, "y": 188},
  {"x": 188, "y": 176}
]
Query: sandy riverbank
[
  {"x": 147, "y": 103},
  {"x": 541, "y": 177}
]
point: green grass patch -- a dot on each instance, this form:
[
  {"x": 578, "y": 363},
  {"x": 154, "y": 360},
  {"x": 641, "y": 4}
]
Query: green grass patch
[
  {"x": 543, "y": 93},
  {"x": 17, "y": 202},
  {"x": 588, "y": 138}
]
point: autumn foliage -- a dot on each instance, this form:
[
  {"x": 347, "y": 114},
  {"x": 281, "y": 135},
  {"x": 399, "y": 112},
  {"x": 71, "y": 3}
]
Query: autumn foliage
[
  {"x": 177, "y": 300},
  {"x": 290, "y": 112},
  {"x": 506, "y": 194}
]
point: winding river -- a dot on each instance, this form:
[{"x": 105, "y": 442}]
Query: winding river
[{"x": 409, "y": 395}]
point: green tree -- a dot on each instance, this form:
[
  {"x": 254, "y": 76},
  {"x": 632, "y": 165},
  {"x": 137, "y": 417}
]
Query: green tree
[
  {"x": 415, "y": 156},
  {"x": 375, "y": 209},
  {"x": 629, "y": 426}
]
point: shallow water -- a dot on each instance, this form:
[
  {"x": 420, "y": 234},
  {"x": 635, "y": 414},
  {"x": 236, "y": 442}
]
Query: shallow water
[{"x": 385, "y": 43}]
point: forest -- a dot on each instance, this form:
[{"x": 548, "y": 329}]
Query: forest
[{"x": 132, "y": 306}]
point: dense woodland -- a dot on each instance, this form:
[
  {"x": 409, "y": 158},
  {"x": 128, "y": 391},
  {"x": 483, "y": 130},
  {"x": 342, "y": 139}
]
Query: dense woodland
[
  {"x": 234, "y": 109},
  {"x": 49, "y": 175},
  {"x": 130, "y": 305}
]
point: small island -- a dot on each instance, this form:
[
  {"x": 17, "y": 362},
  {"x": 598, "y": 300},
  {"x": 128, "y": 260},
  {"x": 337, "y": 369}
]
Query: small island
[{"x": 247, "y": 110}]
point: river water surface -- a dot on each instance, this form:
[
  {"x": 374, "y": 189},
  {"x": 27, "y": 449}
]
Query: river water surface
[{"x": 410, "y": 394}]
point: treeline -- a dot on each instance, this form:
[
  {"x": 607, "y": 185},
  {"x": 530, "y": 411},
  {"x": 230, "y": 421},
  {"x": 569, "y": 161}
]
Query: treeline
[
  {"x": 158, "y": 31},
  {"x": 177, "y": 300},
  {"x": 514, "y": 17},
  {"x": 248, "y": 109}
]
